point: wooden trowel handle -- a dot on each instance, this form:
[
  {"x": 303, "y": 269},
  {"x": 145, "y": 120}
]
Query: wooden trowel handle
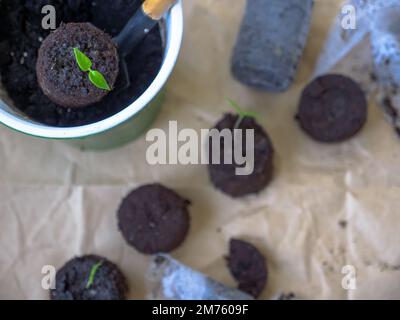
[
  {"x": 156, "y": 8},
  {"x": 145, "y": 19}
]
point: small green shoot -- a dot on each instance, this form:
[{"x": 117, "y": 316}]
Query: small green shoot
[
  {"x": 95, "y": 77},
  {"x": 83, "y": 61},
  {"x": 98, "y": 80},
  {"x": 242, "y": 114},
  {"x": 92, "y": 274}
]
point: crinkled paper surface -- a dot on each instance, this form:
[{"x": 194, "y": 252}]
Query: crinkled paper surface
[{"x": 328, "y": 206}]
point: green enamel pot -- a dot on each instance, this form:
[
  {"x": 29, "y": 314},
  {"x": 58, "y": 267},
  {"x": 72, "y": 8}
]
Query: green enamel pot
[{"x": 126, "y": 125}]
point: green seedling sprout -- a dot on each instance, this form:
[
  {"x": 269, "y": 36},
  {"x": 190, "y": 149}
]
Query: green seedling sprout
[
  {"x": 85, "y": 64},
  {"x": 242, "y": 114},
  {"x": 92, "y": 274}
]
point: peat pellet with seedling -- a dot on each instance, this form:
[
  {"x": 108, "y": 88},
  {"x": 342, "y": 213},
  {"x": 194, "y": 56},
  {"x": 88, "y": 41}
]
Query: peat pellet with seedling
[
  {"x": 89, "y": 278},
  {"x": 77, "y": 65},
  {"x": 224, "y": 174}
]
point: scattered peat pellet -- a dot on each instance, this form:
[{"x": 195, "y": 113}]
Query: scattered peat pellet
[
  {"x": 58, "y": 72},
  {"x": 154, "y": 219},
  {"x": 286, "y": 296},
  {"x": 89, "y": 278},
  {"x": 224, "y": 176},
  {"x": 248, "y": 266},
  {"x": 332, "y": 108}
]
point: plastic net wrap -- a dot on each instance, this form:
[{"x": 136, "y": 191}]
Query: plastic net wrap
[
  {"x": 168, "y": 279},
  {"x": 370, "y": 52}
]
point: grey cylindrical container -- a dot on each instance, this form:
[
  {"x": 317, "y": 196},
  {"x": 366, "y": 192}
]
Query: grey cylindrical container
[{"x": 271, "y": 41}]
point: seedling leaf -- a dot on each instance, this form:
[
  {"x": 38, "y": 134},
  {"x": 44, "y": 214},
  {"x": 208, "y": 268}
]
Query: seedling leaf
[
  {"x": 242, "y": 114},
  {"x": 250, "y": 114},
  {"x": 83, "y": 60},
  {"x": 92, "y": 274},
  {"x": 85, "y": 64},
  {"x": 235, "y": 106},
  {"x": 240, "y": 111},
  {"x": 98, "y": 80}
]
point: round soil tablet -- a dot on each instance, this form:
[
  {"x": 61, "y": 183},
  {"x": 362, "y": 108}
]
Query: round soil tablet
[
  {"x": 58, "y": 72},
  {"x": 154, "y": 219},
  {"x": 248, "y": 266},
  {"x": 224, "y": 176},
  {"x": 332, "y": 108},
  {"x": 89, "y": 278}
]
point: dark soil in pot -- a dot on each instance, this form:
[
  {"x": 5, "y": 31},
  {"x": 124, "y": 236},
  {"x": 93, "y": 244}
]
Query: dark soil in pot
[{"x": 21, "y": 34}]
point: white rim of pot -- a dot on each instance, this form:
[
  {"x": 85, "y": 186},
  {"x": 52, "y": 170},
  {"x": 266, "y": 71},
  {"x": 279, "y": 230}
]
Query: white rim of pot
[{"x": 174, "y": 40}]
